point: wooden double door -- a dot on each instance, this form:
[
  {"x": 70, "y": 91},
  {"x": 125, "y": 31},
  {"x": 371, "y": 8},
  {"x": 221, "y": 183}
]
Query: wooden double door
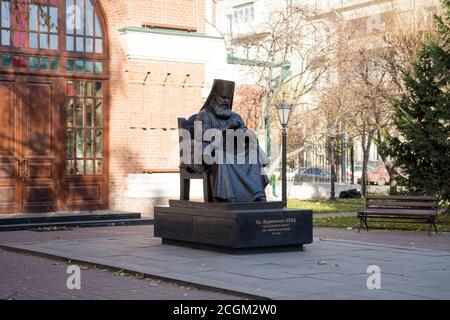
[
  {"x": 41, "y": 118},
  {"x": 30, "y": 151}
]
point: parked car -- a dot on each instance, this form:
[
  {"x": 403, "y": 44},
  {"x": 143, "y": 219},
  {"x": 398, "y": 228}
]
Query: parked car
[
  {"x": 379, "y": 175},
  {"x": 315, "y": 174},
  {"x": 358, "y": 171}
]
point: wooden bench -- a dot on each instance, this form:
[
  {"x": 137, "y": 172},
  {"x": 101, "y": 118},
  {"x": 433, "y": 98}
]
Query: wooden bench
[{"x": 419, "y": 209}]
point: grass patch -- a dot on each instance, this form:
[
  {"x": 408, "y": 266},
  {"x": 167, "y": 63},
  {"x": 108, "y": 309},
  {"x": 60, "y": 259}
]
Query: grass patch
[
  {"x": 328, "y": 206},
  {"x": 443, "y": 223}
]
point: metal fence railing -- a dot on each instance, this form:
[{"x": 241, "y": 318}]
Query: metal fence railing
[{"x": 322, "y": 162}]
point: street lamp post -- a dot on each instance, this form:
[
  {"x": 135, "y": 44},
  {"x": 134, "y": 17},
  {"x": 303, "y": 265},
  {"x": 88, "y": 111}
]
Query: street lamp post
[{"x": 284, "y": 112}]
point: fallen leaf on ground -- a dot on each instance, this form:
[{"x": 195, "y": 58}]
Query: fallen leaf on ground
[{"x": 119, "y": 273}]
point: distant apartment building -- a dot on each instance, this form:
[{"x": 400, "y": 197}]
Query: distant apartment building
[{"x": 240, "y": 18}]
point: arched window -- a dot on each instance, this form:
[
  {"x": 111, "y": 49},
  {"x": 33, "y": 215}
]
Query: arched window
[
  {"x": 34, "y": 28},
  {"x": 83, "y": 29}
]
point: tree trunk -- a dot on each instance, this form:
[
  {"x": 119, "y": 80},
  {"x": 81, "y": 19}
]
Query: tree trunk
[
  {"x": 366, "y": 142},
  {"x": 390, "y": 169}
]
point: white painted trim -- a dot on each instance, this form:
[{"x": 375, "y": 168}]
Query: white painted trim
[{"x": 178, "y": 48}]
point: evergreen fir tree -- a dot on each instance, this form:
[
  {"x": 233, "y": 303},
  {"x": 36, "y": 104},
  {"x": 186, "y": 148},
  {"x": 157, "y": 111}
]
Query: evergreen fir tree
[{"x": 422, "y": 149}]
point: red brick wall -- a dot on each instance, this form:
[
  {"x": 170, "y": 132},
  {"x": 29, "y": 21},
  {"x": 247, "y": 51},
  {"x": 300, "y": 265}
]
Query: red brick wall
[
  {"x": 144, "y": 100},
  {"x": 183, "y": 13}
]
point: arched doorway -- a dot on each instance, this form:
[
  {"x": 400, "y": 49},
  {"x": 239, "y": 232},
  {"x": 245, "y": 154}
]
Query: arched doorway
[{"x": 53, "y": 106}]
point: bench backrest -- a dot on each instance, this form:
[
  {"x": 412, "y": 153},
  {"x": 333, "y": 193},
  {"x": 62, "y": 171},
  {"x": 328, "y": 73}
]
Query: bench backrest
[{"x": 402, "y": 202}]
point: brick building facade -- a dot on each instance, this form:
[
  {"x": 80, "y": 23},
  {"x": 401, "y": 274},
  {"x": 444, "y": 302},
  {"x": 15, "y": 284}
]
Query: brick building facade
[
  {"x": 155, "y": 89},
  {"x": 148, "y": 95}
]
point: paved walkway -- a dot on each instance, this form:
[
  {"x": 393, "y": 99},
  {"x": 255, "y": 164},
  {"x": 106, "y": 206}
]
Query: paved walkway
[
  {"x": 26, "y": 276},
  {"x": 327, "y": 269},
  {"x": 36, "y": 278}
]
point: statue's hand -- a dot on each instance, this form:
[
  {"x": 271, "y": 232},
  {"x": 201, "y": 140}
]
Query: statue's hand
[{"x": 234, "y": 125}]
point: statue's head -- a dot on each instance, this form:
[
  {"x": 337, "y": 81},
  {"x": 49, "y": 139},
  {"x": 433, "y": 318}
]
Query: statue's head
[{"x": 220, "y": 100}]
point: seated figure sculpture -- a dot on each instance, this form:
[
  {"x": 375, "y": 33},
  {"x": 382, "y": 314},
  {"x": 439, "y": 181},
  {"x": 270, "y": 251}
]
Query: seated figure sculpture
[{"x": 231, "y": 178}]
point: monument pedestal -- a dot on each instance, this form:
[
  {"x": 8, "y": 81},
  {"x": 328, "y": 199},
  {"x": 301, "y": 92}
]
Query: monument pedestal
[{"x": 234, "y": 227}]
